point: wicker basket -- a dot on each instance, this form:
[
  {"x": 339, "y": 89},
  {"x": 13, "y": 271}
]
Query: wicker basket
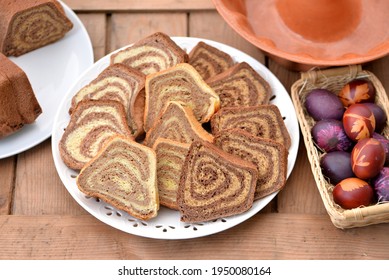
[{"x": 334, "y": 79}]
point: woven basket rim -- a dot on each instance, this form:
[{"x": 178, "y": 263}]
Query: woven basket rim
[{"x": 341, "y": 218}]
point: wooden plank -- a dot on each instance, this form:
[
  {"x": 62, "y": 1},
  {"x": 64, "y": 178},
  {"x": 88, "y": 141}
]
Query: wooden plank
[
  {"x": 210, "y": 25},
  {"x": 139, "y": 5},
  {"x": 264, "y": 236},
  {"x": 38, "y": 188},
  {"x": 7, "y": 169},
  {"x": 128, "y": 28},
  {"x": 96, "y": 25}
]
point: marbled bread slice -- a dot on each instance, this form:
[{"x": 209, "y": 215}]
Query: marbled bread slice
[
  {"x": 91, "y": 125},
  {"x": 123, "y": 174},
  {"x": 178, "y": 123},
  {"x": 180, "y": 83},
  {"x": 208, "y": 60},
  {"x": 270, "y": 158},
  {"x": 214, "y": 184}
]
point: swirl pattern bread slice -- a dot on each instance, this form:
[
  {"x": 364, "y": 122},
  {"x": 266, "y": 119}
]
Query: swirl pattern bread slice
[
  {"x": 240, "y": 85},
  {"x": 180, "y": 83},
  {"x": 18, "y": 104},
  {"x": 263, "y": 121},
  {"x": 170, "y": 160},
  {"x": 214, "y": 184},
  {"x": 178, "y": 123},
  {"x": 268, "y": 156},
  {"x": 151, "y": 54},
  {"x": 26, "y": 25},
  {"x": 91, "y": 125},
  {"x": 120, "y": 83},
  {"x": 123, "y": 174},
  {"x": 208, "y": 60}
]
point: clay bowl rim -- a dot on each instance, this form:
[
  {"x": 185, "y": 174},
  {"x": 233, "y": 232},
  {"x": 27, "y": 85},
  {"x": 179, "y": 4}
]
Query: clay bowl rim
[{"x": 297, "y": 58}]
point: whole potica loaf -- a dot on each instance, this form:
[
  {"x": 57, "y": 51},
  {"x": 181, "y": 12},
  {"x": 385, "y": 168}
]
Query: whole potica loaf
[
  {"x": 214, "y": 184},
  {"x": 240, "y": 85},
  {"x": 208, "y": 60},
  {"x": 18, "y": 104},
  {"x": 26, "y": 25},
  {"x": 170, "y": 160},
  {"x": 151, "y": 54},
  {"x": 270, "y": 158},
  {"x": 91, "y": 125},
  {"x": 178, "y": 123},
  {"x": 120, "y": 83},
  {"x": 263, "y": 121},
  {"x": 180, "y": 83},
  {"x": 123, "y": 174}
]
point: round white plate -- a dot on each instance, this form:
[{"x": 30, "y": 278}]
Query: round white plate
[
  {"x": 51, "y": 70},
  {"x": 167, "y": 224}
]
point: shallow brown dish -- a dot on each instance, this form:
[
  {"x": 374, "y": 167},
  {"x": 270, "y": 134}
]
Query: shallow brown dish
[{"x": 302, "y": 34}]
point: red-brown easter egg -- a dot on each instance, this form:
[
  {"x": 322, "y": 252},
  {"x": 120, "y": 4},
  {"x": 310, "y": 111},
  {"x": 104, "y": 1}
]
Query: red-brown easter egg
[
  {"x": 353, "y": 192},
  {"x": 358, "y": 122},
  {"x": 357, "y": 91},
  {"x": 367, "y": 158}
]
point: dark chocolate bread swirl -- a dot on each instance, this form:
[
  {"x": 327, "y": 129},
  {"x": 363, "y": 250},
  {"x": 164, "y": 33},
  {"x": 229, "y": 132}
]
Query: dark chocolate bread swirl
[
  {"x": 214, "y": 184},
  {"x": 208, "y": 60},
  {"x": 268, "y": 156},
  {"x": 179, "y": 83},
  {"x": 177, "y": 123},
  {"x": 240, "y": 85},
  {"x": 120, "y": 83},
  {"x": 18, "y": 104},
  {"x": 26, "y": 25},
  {"x": 263, "y": 121},
  {"x": 170, "y": 160},
  {"x": 152, "y": 54},
  {"x": 123, "y": 174},
  {"x": 91, "y": 125}
]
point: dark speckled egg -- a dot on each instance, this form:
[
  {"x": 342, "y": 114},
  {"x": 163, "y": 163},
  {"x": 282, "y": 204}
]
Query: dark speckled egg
[
  {"x": 357, "y": 91},
  {"x": 358, "y": 122},
  {"x": 352, "y": 193},
  {"x": 367, "y": 158}
]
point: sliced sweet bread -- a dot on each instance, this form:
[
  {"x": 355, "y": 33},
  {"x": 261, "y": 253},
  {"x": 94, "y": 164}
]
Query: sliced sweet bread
[
  {"x": 180, "y": 83},
  {"x": 91, "y": 125},
  {"x": 151, "y": 54},
  {"x": 214, "y": 184},
  {"x": 263, "y": 121},
  {"x": 178, "y": 123},
  {"x": 116, "y": 82},
  {"x": 26, "y": 25},
  {"x": 208, "y": 60},
  {"x": 170, "y": 160},
  {"x": 123, "y": 174},
  {"x": 18, "y": 103},
  {"x": 270, "y": 158},
  {"x": 240, "y": 85}
]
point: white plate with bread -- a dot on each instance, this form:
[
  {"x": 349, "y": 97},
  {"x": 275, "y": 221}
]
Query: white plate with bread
[
  {"x": 167, "y": 223},
  {"x": 51, "y": 70}
]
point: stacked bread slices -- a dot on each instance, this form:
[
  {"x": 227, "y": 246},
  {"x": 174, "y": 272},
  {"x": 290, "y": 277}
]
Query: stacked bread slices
[{"x": 186, "y": 147}]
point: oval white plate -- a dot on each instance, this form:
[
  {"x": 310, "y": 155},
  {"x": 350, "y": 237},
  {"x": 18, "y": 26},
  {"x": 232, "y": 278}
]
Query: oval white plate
[
  {"x": 167, "y": 224},
  {"x": 51, "y": 71}
]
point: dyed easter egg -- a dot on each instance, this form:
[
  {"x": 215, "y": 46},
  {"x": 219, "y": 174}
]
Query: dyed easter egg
[
  {"x": 336, "y": 166},
  {"x": 329, "y": 136},
  {"x": 358, "y": 122},
  {"x": 352, "y": 193},
  {"x": 379, "y": 115},
  {"x": 357, "y": 91},
  {"x": 367, "y": 158},
  {"x": 381, "y": 185},
  {"x": 322, "y": 104}
]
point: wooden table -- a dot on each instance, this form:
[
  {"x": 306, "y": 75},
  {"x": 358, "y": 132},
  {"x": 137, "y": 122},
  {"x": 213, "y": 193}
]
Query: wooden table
[{"x": 40, "y": 220}]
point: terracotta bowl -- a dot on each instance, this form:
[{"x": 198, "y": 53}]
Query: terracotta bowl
[{"x": 302, "y": 34}]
